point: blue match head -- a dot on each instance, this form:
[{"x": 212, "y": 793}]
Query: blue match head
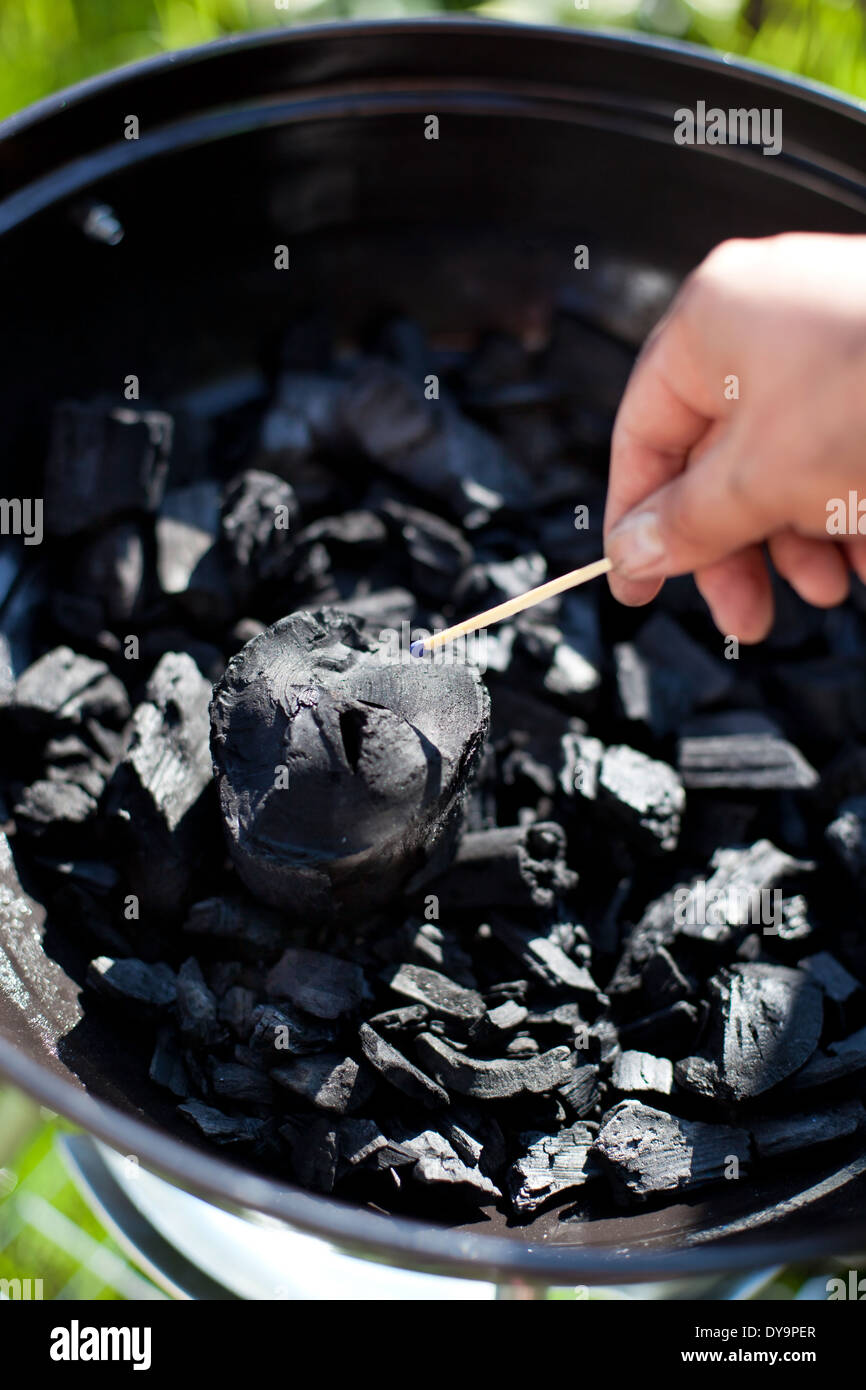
[{"x": 416, "y": 649}]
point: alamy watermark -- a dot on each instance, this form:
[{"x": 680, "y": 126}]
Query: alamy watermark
[
  {"x": 736, "y": 126},
  {"x": 22, "y": 516},
  {"x": 468, "y": 650},
  {"x": 702, "y": 906}
]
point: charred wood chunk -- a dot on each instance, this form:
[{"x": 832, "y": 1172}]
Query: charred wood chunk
[
  {"x": 645, "y": 794},
  {"x": 321, "y": 985},
  {"x": 147, "y": 990},
  {"x": 62, "y": 691},
  {"x": 314, "y": 1147},
  {"x": 760, "y": 761},
  {"x": 437, "y": 948},
  {"x": 258, "y": 522},
  {"x": 493, "y": 1080},
  {"x": 765, "y": 1023},
  {"x": 111, "y": 572},
  {"x": 52, "y": 805},
  {"x": 341, "y": 771},
  {"x": 236, "y": 1009},
  {"x": 739, "y": 893},
  {"x": 635, "y": 1073},
  {"x": 405, "y": 1022},
  {"x": 399, "y": 1071},
  {"x": 838, "y": 984},
  {"x": 363, "y": 1145},
  {"x": 221, "y": 1128},
  {"x": 328, "y": 1081},
  {"x": 646, "y": 1151},
  {"x": 167, "y": 1066},
  {"x": 509, "y": 866},
  {"x": 552, "y": 1166},
  {"x": 102, "y": 463},
  {"x": 278, "y": 1031},
  {"x": 437, "y": 551},
  {"x": 237, "y": 1083},
  {"x": 189, "y": 564},
  {"x": 253, "y": 931},
  {"x": 777, "y": 1135},
  {"x": 846, "y": 836},
  {"x": 673, "y": 1030},
  {"x": 441, "y": 997},
  {"x": 197, "y": 1008},
  {"x": 583, "y": 1090},
  {"x": 544, "y": 959},
  {"x": 665, "y": 675},
  {"x": 158, "y": 795},
  {"x": 437, "y": 1164}
]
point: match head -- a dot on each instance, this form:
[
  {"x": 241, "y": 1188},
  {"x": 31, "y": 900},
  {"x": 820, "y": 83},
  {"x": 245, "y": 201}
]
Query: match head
[{"x": 416, "y": 649}]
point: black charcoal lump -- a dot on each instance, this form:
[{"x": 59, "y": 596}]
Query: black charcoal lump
[
  {"x": 341, "y": 769},
  {"x": 103, "y": 463},
  {"x": 647, "y": 1152}
]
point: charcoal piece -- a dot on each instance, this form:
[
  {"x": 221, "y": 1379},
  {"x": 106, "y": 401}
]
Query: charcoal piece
[
  {"x": 582, "y": 1091},
  {"x": 672, "y": 1030},
  {"x": 167, "y": 1067},
  {"x": 314, "y": 1146},
  {"x": 663, "y": 981},
  {"x": 235, "y": 1010},
  {"x": 506, "y": 1017},
  {"x": 102, "y": 463},
  {"x": 362, "y": 1143},
  {"x": 382, "y": 608},
  {"x": 739, "y": 892},
  {"x": 219, "y": 1127},
  {"x": 237, "y": 1083},
  {"x": 158, "y": 794},
  {"x": 476, "y": 1136},
  {"x": 442, "y": 998},
  {"x": 428, "y": 944},
  {"x": 111, "y": 571},
  {"x": 488, "y": 582},
  {"x": 61, "y": 691},
  {"x": 522, "y": 1045},
  {"x": 492, "y": 1080},
  {"x": 825, "y": 694},
  {"x": 838, "y": 984},
  {"x": 543, "y": 959},
  {"x": 189, "y": 564},
  {"x": 329, "y": 1081},
  {"x": 437, "y": 552},
  {"x": 279, "y": 1030},
  {"x": 580, "y": 762},
  {"x": 304, "y": 416},
  {"x": 384, "y": 411},
  {"x": 510, "y": 866},
  {"x": 778, "y": 1135},
  {"x": 551, "y": 1166},
  {"x": 197, "y": 1007},
  {"x": 258, "y": 521},
  {"x": 846, "y": 836},
  {"x": 146, "y": 990},
  {"x": 319, "y": 984},
  {"x": 644, "y": 794},
  {"x": 437, "y": 1164},
  {"x": 399, "y": 1071},
  {"x": 62, "y": 806},
  {"x": 646, "y": 1151},
  {"x": 765, "y": 1022},
  {"x": 762, "y": 762},
  {"x": 253, "y": 931},
  {"x": 406, "y": 1021},
  {"x": 663, "y": 676},
  {"x": 637, "y": 1072},
  {"x": 378, "y": 755},
  {"x": 463, "y": 467}
]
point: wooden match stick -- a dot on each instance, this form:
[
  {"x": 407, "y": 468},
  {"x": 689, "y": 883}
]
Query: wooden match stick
[{"x": 512, "y": 606}]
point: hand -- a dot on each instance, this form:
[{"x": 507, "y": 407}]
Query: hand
[{"x": 744, "y": 416}]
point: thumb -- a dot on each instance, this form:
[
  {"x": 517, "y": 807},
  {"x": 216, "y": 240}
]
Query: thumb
[{"x": 701, "y": 516}]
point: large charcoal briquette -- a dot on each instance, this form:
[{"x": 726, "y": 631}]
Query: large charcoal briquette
[
  {"x": 648, "y": 1151},
  {"x": 341, "y": 768}
]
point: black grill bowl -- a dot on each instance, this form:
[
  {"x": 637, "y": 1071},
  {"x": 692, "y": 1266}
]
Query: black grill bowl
[{"x": 314, "y": 138}]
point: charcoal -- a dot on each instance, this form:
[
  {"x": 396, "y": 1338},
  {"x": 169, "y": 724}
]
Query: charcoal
[
  {"x": 158, "y": 794},
  {"x": 399, "y": 1071},
  {"x": 167, "y": 1067},
  {"x": 258, "y": 522},
  {"x": 673, "y": 1030},
  {"x": 476, "y": 1137},
  {"x": 506, "y": 1017},
  {"x": 328, "y": 1081},
  {"x": 188, "y": 560},
  {"x": 437, "y": 552},
  {"x": 314, "y": 1146},
  {"x": 146, "y": 990},
  {"x": 197, "y": 1007},
  {"x": 62, "y": 691},
  {"x": 838, "y": 984},
  {"x": 426, "y": 943},
  {"x": 321, "y": 985},
  {"x": 235, "y": 1010},
  {"x": 403, "y": 1022},
  {"x": 543, "y": 959},
  {"x": 102, "y": 463},
  {"x": 775, "y": 1136},
  {"x": 662, "y": 980},
  {"x": 522, "y": 1045},
  {"x": 255, "y": 932},
  {"x": 759, "y": 761},
  {"x": 551, "y": 1167},
  {"x": 231, "y": 1081},
  {"x": 59, "y": 805},
  {"x": 509, "y": 866},
  {"x": 437, "y": 1164},
  {"x": 582, "y": 1091},
  {"x": 111, "y": 572},
  {"x": 492, "y": 1080},
  {"x": 280, "y": 1029},
  {"x": 734, "y": 895},
  {"x": 384, "y": 411},
  {"x": 846, "y": 836},
  {"x": 635, "y": 1073},
  {"x": 664, "y": 675},
  {"x": 362, "y": 1143},
  {"x": 646, "y": 1151},
  {"x": 219, "y": 1127},
  {"x": 640, "y": 793},
  {"x": 843, "y": 1059},
  {"x": 441, "y": 997},
  {"x": 378, "y": 755},
  {"x": 765, "y": 1023}
]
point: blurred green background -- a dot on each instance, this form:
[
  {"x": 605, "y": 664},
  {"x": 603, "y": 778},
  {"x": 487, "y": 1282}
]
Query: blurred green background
[
  {"x": 46, "y": 44},
  {"x": 45, "y": 1228}
]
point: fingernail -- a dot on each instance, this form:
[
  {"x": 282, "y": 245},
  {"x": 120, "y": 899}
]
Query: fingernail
[{"x": 636, "y": 547}]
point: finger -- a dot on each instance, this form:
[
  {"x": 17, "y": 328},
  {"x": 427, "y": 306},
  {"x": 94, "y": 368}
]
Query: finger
[
  {"x": 817, "y": 569},
  {"x": 855, "y": 550},
  {"x": 738, "y": 593}
]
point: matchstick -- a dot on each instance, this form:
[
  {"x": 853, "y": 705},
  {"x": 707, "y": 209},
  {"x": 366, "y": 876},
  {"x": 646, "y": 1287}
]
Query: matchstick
[{"x": 512, "y": 606}]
